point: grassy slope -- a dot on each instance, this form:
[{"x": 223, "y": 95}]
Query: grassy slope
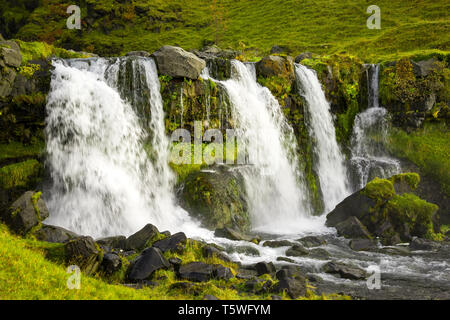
[
  {"x": 428, "y": 148},
  {"x": 322, "y": 26}
]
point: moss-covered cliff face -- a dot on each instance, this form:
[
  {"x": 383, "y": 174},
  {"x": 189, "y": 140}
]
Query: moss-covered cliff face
[
  {"x": 416, "y": 91},
  {"x": 187, "y": 101}
]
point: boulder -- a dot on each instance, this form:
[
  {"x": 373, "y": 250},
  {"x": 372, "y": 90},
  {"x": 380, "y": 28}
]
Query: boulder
[
  {"x": 303, "y": 56},
  {"x": 285, "y": 259},
  {"x": 10, "y": 54},
  {"x": 84, "y": 253},
  {"x": 116, "y": 242},
  {"x": 294, "y": 287},
  {"x": 276, "y": 66},
  {"x": 345, "y": 271},
  {"x": 177, "y": 63},
  {"x": 210, "y": 297},
  {"x": 296, "y": 251},
  {"x": 177, "y": 243},
  {"x": 139, "y": 240},
  {"x": 319, "y": 253},
  {"x": 312, "y": 241},
  {"x": 423, "y": 244},
  {"x": 54, "y": 234},
  {"x": 363, "y": 245},
  {"x": 210, "y": 251},
  {"x": 201, "y": 272},
  {"x": 352, "y": 228},
  {"x": 150, "y": 260},
  {"x": 424, "y": 67},
  {"x": 355, "y": 205},
  {"x": 111, "y": 263},
  {"x": 265, "y": 268},
  {"x": 277, "y": 243},
  {"x": 232, "y": 234},
  {"x": 247, "y": 250},
  {"x": 217, "y": 198},
  {"x": 26, "y": 212}
]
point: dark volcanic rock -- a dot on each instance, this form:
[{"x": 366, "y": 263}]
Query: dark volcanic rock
[
  {"x": 312, "y": 241},
  {"x": 138, "y": 240},
  {"x": 210, "y": 251},
  {"x": 363, "y": 244},
  {"x": 177, "y": 242},
  {"x": 201, "y": 272},
  {"x": 84, "y": 253},
  {"x": 296, "y": 251},
  {"x": 354, "y": 205},
  {"x": 277, "y": 243},
  {"x": 111, "y": 263},
  {"x": 352, "y": 228},
  {"x": 24, "y": 215},
  {"x": 294, "y": 287},
  {"x": 423, "y": 244},
  {"x": 150, "y": 260},
  {"x": 345, "y": 270},
  {"x": 54, "y": 234},
  {"x": 265, "y": 268},
  {"x": 117, "y": 242},
  {"x": 232, "y": 234}
]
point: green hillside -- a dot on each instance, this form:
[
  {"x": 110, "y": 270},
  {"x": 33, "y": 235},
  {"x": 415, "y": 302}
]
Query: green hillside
[{"x": 321, "y": 26}]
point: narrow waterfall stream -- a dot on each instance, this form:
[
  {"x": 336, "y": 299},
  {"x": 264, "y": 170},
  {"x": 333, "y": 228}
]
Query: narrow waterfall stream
[
  {"x": 276, "y": 190},
  {"x": 368, "y": 142},
  {"x": 329, "y": 165},
  {"x": 103, "y": 181}
]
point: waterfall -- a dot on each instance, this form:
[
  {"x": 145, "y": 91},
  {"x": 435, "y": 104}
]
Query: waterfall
[
  {"x": 369, "y": 157},
  {"x": 329, "y": 161},
  {"x": 107, "y": 159},
  {"x": 276, "y": 190}
]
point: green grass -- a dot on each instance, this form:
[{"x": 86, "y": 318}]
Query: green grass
[
  {"x": 428, "y": 148},
  {"x": 414, "y": 27}
]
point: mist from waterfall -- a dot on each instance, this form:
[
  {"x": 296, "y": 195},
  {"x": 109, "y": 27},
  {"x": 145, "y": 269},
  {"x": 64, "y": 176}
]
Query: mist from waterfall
[
  {"x": 369, "y": 138},
  {"x": 109, "y": 167},
  {"x": 328, "y": 158},
  {"x": 276, "y": 189}
]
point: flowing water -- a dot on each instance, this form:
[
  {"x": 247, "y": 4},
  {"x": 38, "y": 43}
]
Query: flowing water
[
  {"x": 276, "y": 190},
  {"x": 110, "y": 174},
  {"x": 369, "y": 138},
  {"x": 329, "y": 160},
  {"x": 104, "y": 180}
]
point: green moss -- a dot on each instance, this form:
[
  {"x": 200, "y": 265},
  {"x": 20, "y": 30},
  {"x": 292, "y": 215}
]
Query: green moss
[
  {"x": 41, "y": 50},
  {"x": 20, "y": 174},
  {"x": 28, "y": 70},
  {"x": 410, "y": 210},
  {"x": 412, "y": 179},
  {"x": 16, "y": 150},
  {"x": 379, "y": 189}
]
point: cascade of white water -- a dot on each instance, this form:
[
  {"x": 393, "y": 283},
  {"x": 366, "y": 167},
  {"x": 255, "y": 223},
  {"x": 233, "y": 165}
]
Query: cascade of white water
[
  {"x": 329, "y": 163},
  {"x": 276, "y": 190},
  {"x": 369, "y": 138},
  {"x": 104, "y": 182}
]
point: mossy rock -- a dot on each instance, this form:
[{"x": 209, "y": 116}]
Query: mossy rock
[
  {"x": 217, "y": 198},
  {"x": 405, "y": 182},
  {"x": 21, "y": 174}
]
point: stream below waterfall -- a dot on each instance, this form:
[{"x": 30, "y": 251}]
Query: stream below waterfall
[{"x": 103, "y": 183}]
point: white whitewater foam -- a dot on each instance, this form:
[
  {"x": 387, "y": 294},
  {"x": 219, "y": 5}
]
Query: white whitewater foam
[{"x": 329, "y": 165}]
